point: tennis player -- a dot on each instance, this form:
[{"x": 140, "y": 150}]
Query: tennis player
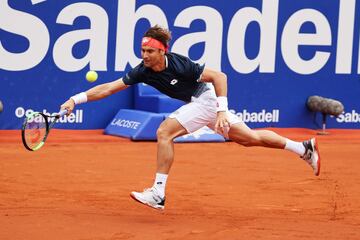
[{"x": 204, "y": 90}]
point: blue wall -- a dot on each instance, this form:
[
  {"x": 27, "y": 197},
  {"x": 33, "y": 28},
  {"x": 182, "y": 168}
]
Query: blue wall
[{"x": 276, "y": 54}]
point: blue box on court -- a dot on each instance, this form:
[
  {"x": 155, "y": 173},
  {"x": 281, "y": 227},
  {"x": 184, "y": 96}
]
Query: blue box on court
[
  {"x": 138, "y": 124},
  {"x": 141, "y": 125},
  {"x": 135, "y": 124}
]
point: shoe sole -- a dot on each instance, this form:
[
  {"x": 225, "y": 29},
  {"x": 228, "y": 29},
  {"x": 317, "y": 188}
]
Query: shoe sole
[
  {"x": 318, "y": 161},
  {"x": 158, "y": 207}
]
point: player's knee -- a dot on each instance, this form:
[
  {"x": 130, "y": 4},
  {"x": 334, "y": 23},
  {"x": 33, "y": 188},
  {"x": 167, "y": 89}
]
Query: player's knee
[{"x": 163, "y": 134}]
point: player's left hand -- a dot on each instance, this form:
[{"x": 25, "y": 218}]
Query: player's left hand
[{"x": 222, "y": 124}]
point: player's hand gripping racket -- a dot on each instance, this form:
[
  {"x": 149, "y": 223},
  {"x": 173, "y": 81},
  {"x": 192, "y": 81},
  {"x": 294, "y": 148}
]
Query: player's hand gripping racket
[{"x": 36, "y": 128}]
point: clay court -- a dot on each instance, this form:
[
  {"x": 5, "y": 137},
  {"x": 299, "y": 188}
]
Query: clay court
[{"x": 77, "y": 187}]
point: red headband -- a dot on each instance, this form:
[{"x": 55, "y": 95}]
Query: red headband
[{"x": 152, "y": 42}]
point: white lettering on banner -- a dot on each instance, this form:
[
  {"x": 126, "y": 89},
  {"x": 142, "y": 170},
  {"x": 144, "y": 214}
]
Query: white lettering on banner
[
  {"x": 127, "y": 19},
  {"x": 28, "y": 26},
  {"x": 97, "y": 35},
  {"x": 37, "y": 1},
  {"x": 212, "y": 37},
  {"x": 262, "y": 116},
  {"x": 345, "y": 36},
  {"x": 267, "y": 21},
  {"x": 125, "y": 123},
  {"x": 292, "y": 39},
  {"x": 74, "y": 117},
  {"x": 349, "y": 117},
  {"x": 37, "y": 33}
]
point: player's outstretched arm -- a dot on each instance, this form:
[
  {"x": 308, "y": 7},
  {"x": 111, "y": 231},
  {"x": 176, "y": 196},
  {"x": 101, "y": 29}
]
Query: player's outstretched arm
[
  {"x": 105, "y": 90},
  {"x": 98, "y": 92}
]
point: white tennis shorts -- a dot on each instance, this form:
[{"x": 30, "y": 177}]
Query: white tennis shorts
[{"x": 200, "y": 112}]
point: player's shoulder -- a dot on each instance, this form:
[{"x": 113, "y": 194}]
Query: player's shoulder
[
  {"x": 140, "y": 68},
  {"x": 179, "y": 62},
  {"x": 135, "y": 75},
  {"x": 139, "y": 71}
]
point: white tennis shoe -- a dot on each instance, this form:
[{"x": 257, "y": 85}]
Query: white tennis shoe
[
  {"x": 149, "y": 197},
  {"x": 312, "y": 155}
]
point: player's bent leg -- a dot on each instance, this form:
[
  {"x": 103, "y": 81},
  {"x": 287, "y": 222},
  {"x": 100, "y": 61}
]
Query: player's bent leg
[
  {"x": 168, "y": 130},
  {"x": 242, "y": 134},
  {"x": 155, "y": 196},
  {"x": 188, "y": 118}
]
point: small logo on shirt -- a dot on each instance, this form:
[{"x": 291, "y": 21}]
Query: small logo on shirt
[{"x": 173, "y": 82}]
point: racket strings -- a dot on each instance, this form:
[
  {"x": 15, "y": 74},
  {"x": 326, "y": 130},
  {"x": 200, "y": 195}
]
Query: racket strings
[{"x": 35, "y": 131}]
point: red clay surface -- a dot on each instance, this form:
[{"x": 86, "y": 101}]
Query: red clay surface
[{"x": 77, "y": 187}]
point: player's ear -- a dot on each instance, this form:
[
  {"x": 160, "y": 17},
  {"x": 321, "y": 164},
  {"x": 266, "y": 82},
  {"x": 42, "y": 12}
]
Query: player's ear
[{"x": 162, "y": 52}]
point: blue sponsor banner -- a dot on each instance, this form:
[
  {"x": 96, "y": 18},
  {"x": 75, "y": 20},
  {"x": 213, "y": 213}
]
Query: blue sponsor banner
[{"x": 275, "y": 53}]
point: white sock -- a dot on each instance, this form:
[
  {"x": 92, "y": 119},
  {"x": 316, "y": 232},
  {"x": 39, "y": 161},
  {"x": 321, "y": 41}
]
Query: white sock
[
  {"x": 160, "y": 183},
  {"x": 296, "y": 147}
]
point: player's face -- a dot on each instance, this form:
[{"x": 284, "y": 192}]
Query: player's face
[{"x": 152, "y": 56}]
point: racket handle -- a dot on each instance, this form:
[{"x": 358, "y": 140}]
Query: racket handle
[{"x": 62, "y": 112}]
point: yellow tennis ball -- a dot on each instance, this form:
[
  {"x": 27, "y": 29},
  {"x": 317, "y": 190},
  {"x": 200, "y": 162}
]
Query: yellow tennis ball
[{"x": 91, "y": 76}]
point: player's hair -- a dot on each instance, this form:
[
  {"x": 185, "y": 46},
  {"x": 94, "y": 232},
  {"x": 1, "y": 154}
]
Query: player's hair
[{"x": 159, "y": 33}]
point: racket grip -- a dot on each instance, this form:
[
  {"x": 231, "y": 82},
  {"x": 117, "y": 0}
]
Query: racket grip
[{"x": 62, "y": 112}]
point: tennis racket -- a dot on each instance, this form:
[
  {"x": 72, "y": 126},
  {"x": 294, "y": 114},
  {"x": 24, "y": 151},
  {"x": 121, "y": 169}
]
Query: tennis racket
[{"x": 36, "y": 128}]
